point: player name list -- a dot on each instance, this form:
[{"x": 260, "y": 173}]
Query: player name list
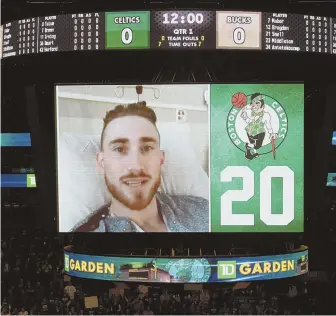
[
  {"x": 281, "y": 32},
  {"x": 49, "y": 33},
  {"x": 10, "y": 39},
  {"x": 32, "y": 35},
  {"x": 293, "y": 32},
  {"x": 54, "y": 33},
  {"x": 71, "y": 32},
  {"x": 333, "y": 35}
]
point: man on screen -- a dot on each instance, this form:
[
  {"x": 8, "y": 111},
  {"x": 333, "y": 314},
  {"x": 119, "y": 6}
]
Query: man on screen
[{"x": 130, "y": 160}]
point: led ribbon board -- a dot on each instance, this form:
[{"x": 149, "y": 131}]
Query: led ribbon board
[{"x": 186, "y": 270}]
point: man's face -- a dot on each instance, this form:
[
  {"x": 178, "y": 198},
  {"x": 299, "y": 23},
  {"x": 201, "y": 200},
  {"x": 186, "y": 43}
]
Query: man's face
[
  {"x": 257, "y": 106},
  {"x": 131, "y": 161}
]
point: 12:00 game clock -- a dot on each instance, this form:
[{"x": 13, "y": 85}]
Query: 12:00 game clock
[{"x": 183, "y": 30}]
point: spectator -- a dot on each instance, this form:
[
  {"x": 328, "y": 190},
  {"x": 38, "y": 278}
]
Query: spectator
[
  {"x": 23, "y": 311},
  {"x": 246, "y": 308},
  {"x": 261, "y": 307},
  {"x": 292, "y": 291},
  {"x": 70, "y": 290}
]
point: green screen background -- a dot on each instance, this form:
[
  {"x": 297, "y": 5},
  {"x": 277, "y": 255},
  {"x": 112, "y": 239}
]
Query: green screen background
[
  {"x": 140, "y": 30},
  {"x": 224, "y": 153}
]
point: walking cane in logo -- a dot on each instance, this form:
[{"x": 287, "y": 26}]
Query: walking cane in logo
[
  {"x": 273, "y": 147},
  {"x": 257, "y": 120},
  {"x": 155, "y": 269}
]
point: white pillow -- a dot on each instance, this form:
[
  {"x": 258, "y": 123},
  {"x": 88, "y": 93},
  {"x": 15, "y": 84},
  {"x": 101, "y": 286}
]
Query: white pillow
[
  {"x": 81, "y": 189},
  {"x": 182, "y": 173}
]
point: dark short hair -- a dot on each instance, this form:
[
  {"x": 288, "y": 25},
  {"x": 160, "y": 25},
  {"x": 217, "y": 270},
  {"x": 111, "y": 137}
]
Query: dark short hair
[
  {"x": 256, "y": 95},
  {"x": 133, "y": 109}
]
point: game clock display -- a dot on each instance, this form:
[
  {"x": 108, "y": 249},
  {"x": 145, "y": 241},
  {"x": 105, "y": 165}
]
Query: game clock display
[{"x": 183, "y": 29}]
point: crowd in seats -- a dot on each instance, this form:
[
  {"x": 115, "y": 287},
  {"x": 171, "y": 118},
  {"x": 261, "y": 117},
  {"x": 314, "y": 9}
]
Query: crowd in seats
[
  {"x": 163, "y": 301},
  {"x": 31, "y": 272},
  {"x": 33, "y": 284}
]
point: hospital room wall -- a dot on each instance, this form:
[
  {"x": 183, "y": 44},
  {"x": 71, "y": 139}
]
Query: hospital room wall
[{"x": 81, "y": 116}]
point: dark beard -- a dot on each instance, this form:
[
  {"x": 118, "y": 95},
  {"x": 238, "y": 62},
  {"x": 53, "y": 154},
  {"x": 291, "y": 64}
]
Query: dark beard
[{"x": 139, "y": 202}]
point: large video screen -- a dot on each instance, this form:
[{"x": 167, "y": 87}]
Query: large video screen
[
  {"x": 15, "y": 140},
  {"x": 18, "y": 181},
  {"x": 180, "y": 158},
  {"x": 331, "y": 180}
]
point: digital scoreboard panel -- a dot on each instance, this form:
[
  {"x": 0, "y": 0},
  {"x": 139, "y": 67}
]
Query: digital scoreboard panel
[
  {"x": 167, "y": 30},
  {"x": 238, "y": 30},
  {"x": 56, "y": 33},
  {"x": 127, "y": 30},
  {"x": 183, "y": 29}
]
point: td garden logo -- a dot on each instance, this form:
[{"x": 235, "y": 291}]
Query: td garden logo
[
  {"x": 257, "y": 124},
  {"x": 66, "y": 262},
  {"x": 227, "y": 270}
]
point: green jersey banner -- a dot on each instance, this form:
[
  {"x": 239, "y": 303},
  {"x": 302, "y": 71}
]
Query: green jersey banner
[{"x": 256, "y": 159}]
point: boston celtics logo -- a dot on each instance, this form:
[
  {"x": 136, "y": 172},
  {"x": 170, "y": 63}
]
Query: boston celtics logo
[
  {"x": 189, "y": 270},
  {"x": 257, "y": 127}
]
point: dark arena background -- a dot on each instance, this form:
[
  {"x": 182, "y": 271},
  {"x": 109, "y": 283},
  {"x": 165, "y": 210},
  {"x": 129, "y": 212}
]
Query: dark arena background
[{"x": 206, "y": 68}]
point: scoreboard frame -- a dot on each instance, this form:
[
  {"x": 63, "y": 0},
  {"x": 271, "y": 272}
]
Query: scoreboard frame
[{"x": 291, "y": 36}]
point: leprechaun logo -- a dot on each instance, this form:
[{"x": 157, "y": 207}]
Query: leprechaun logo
[{"x": 257, "y": 127}]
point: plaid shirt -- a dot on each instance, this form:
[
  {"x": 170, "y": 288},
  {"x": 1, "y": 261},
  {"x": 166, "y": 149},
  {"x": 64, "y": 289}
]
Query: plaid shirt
[{"x": 181, "y": 213}]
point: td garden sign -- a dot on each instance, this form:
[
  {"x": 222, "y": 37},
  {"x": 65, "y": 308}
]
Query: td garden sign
[
  {"x": 228, "y": 269},
  {"x": 88, "y": 266},
  {"x": 186, "y": 270}
]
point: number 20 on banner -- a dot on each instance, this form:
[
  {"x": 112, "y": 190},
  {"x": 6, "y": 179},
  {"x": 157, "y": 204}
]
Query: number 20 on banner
[{"x": 228, "y": 218}]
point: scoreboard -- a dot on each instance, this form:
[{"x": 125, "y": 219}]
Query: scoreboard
[
  {"x": 169, "y": 30},
  {"x": 128, "y": 30},
  {"x": 238, "y": 30},
  {"x": 183, "y": 29}
]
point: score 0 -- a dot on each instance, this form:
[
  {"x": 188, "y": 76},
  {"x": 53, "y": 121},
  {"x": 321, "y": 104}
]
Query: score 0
[
  {"x": 126, "y": 36},
  {"x": 127, "y": 31},
  {"x": 239, "y": 35},
  {"x": 238, "y": 30}
]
